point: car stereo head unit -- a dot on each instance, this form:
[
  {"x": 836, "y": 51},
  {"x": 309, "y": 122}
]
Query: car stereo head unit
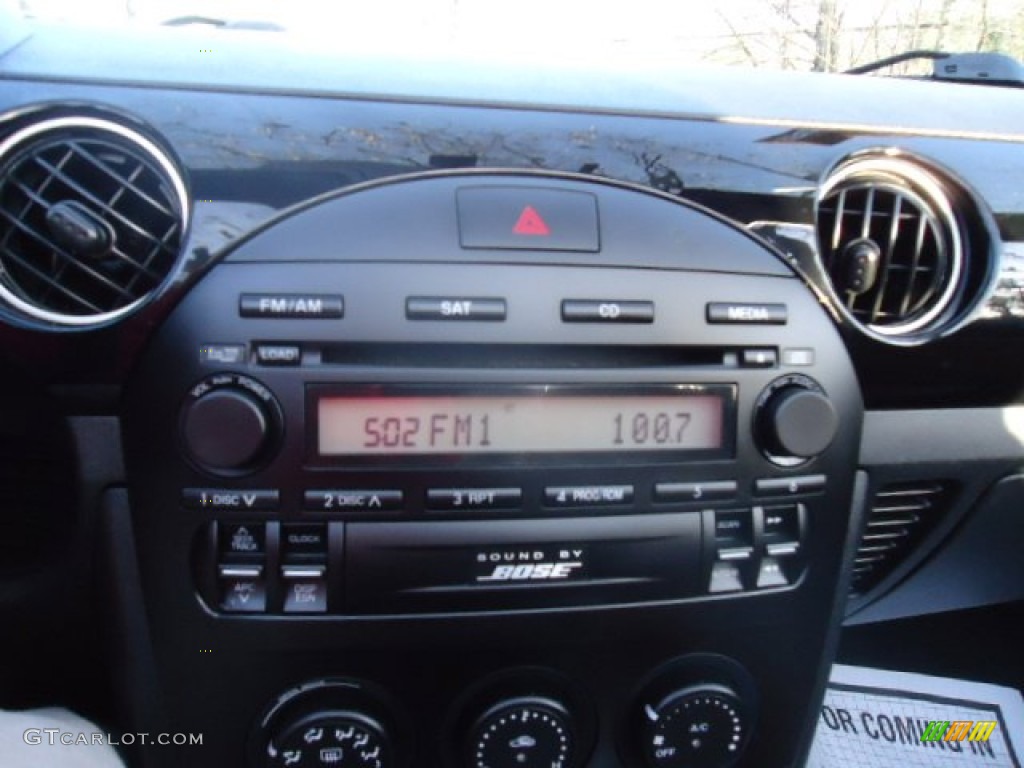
[{"x": 521, "y": 424}]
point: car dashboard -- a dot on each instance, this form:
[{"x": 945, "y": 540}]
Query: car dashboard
[{"x": 390, "y": 411}]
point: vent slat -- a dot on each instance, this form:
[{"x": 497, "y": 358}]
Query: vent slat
[
  {"x": 96, "y": 201},
  {"x": 125, "y": 183},
  {"x": 911, "y": 228},
  {"x": 56, "y": 250},
  {"x": 900, "y": 517},
  {"x": 115, "y": 176}
]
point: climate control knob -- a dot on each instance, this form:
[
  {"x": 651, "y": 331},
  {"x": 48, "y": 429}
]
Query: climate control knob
[
  {"x": 699, "y": 727},
  {"x": 229, "y": 423},
  {"x": 795, "y": 420},
  {"x": 528, "y": 732},
  {"x": 339, "y": 739}
]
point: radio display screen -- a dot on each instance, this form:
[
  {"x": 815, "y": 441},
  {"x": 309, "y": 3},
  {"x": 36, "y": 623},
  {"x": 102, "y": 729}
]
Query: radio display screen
[{"x": 525, "y": 420}]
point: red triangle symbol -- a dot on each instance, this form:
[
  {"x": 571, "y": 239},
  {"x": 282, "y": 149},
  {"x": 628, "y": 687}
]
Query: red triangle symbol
[{"x": 530, "y": 223}]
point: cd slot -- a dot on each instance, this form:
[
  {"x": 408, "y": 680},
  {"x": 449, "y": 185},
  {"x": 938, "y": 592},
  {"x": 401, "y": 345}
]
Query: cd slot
[{"x": 559, "y": 356}]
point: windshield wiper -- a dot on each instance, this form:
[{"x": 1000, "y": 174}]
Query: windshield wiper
[{"x": 982, "y": 67}]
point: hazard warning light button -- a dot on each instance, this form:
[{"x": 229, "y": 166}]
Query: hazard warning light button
[{"x": 527, "y": 218}]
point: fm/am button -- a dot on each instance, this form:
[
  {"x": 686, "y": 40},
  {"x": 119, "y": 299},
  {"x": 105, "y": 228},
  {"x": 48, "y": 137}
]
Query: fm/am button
[{"x": 291, "y": 305}]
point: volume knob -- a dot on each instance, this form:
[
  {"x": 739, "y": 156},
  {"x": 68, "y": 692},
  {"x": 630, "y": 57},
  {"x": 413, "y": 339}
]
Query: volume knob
[
  {"x": 228, "y": 424},
  {"x": 796, "y": 420}
]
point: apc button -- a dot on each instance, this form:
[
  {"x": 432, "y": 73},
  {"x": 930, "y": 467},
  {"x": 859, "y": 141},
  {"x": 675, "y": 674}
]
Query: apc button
[{"x": 242, "y": 589}]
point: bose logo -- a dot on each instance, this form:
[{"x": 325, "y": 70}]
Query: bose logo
[{"x": 532, "y": 572}]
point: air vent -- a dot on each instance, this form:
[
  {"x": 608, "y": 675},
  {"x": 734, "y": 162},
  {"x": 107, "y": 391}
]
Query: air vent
[
  {"x": 92, "y": 216},
  {"x": 892, "y": 248},
  {"x": 901, "y": 515}
]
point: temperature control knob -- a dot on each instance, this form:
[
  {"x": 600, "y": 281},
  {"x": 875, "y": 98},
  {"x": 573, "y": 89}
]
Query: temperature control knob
[
  {"x": 228, "y": 423},
  {"x": 795, "y": 420},
  {"x": 339, "y": 739},
  {"x": 529, "y": 732},
  {"x": 699, "y": 727}
]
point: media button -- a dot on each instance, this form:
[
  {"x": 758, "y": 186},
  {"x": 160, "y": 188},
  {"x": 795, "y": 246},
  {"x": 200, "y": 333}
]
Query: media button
[
  {"x": 455, "y": 499},
  {"x": 352, "y": 500},
  {"x": 588, "y": 495},
  {"x": 728, "y": 312}
]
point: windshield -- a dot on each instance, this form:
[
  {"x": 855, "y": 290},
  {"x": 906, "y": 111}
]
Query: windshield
[{"x": 818, "y": 35}]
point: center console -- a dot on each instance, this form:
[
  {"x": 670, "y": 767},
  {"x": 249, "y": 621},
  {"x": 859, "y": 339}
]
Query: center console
[{"x": 483, "y": 470}]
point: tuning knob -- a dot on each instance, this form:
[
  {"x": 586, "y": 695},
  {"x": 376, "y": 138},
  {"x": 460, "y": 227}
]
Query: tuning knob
[
  {"x": 229, "y": 423},
  {"x": 795, "y": 420}
]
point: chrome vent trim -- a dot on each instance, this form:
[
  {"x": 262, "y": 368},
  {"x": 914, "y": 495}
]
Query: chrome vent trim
[
  {"x": 109, "y": 172},
  {"x": 901, "y": 515},
  {"x": 900, "y": 212}
]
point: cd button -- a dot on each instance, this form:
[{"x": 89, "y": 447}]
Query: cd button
[
  {"x": 595, "y": 311},
  {"x": 449, "y": 499},
  {"x": 588, "y": 495}
]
